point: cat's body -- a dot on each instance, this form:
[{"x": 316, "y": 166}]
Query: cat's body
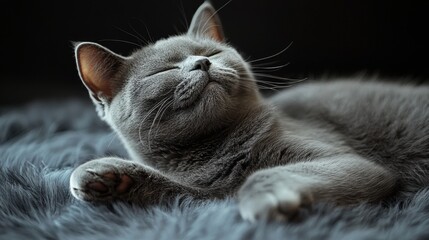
[
  {"x": 189, "y": 113},
  {"x": 386, "y": 123}
]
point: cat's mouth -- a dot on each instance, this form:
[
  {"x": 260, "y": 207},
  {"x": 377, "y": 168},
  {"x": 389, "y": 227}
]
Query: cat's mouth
[{"x": 190, "y": 90}]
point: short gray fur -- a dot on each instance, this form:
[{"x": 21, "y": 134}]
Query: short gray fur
[
  {"x": 43, "y": 142},
  {"x": 188, "y": 110}
]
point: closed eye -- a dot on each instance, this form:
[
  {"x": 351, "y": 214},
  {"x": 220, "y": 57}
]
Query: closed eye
[
  {"x": 161, "y": 70},
  {"x": 214, "y": 53}
]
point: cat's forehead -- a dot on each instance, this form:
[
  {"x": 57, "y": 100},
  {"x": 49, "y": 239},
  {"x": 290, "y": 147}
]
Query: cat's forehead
[
  {"x": 174, "y": 47},
  {"x": 180, "y": 43}
]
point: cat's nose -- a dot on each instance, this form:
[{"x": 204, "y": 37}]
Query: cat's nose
[{"x": 202, "y": 64}]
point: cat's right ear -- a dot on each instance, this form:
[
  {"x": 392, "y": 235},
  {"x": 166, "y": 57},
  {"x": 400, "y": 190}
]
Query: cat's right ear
[
  {"x": 99, "y": 68},
  {"x": 206, "y": 23}
]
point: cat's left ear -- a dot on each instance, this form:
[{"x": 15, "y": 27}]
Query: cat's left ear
[
  {"x": 206, "y": 23},
  {"x": 99, "y": 69}
]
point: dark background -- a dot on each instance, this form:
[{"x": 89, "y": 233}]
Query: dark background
[{"x": 384, "y": 37}]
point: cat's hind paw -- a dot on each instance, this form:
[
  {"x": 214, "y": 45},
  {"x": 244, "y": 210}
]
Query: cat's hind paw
[{"x": 263, "y": 200}]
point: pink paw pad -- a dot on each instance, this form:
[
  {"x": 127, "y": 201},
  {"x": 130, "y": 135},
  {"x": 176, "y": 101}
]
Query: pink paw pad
[{"x": 110, "y": 182}]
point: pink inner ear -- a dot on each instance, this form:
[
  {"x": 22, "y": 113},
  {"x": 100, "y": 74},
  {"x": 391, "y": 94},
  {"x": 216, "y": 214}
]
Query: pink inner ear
[
  {"x": 212, "y": 26},
  {"x": 215, "y": 34},
  {"x": 95, "y": 66},
  {"x": 206, "y": 23}
]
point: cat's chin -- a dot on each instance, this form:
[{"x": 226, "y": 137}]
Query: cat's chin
[
  {"x": 212, "y": 91},
  {"x": 211, "y": 86},
  {"x": 207, "y": 95}
]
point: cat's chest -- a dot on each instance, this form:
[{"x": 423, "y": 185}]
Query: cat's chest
[{"x": 206, "y": 166}]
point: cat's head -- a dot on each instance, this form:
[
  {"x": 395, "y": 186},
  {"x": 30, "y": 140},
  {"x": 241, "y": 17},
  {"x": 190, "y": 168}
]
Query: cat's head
[{"x": 179, "y": 86}]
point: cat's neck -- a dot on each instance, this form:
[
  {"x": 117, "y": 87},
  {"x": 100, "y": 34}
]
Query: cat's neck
[{"x": 178, "y": 152}]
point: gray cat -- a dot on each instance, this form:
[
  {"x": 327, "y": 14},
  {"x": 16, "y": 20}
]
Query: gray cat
[{"x": 188, "y": 110}]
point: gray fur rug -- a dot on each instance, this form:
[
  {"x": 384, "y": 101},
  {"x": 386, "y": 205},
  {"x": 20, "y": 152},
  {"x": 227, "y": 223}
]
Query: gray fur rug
[{"x": 41, "y": 143}]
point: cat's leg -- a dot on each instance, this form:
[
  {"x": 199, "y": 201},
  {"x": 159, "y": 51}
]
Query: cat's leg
[
  {"x": 279, "y": 192},
  {"x": 108, "y": 179}
]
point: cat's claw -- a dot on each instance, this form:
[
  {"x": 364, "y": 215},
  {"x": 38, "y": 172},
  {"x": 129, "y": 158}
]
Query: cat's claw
[{"x": 99, "y": 183}]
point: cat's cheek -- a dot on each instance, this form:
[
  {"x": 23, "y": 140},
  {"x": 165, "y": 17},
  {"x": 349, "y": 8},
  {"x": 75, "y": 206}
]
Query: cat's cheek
[{"x": 154, "y": 88}]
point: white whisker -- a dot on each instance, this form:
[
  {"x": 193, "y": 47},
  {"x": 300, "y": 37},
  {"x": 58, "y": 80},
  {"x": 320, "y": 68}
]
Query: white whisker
[
  {"x": 132, "y": 35},
  {"x": 271, "y": 56},
  {"x": 144, "y": 40},
  {"x": 122, "y": 41},
  {"x": 272, "y": 68},
  {"x": 182, "y": 11},
  {"x": 146, "y": 116},
  {"x": 277, "y": 77},
  {"x": 166, "y": 106},
  {"x": 154, "y": 120}
]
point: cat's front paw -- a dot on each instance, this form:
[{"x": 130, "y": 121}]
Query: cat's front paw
[
  {"x": 267, "y": 198},
  {"x": 101, "y": 180}
]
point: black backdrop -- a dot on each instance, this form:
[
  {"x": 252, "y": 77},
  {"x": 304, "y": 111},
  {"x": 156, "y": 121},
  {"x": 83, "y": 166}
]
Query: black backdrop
[{"x": 329, "y": 37}]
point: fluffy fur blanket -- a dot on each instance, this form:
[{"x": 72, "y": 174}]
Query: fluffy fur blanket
[{"x": 41, "y": 143}]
